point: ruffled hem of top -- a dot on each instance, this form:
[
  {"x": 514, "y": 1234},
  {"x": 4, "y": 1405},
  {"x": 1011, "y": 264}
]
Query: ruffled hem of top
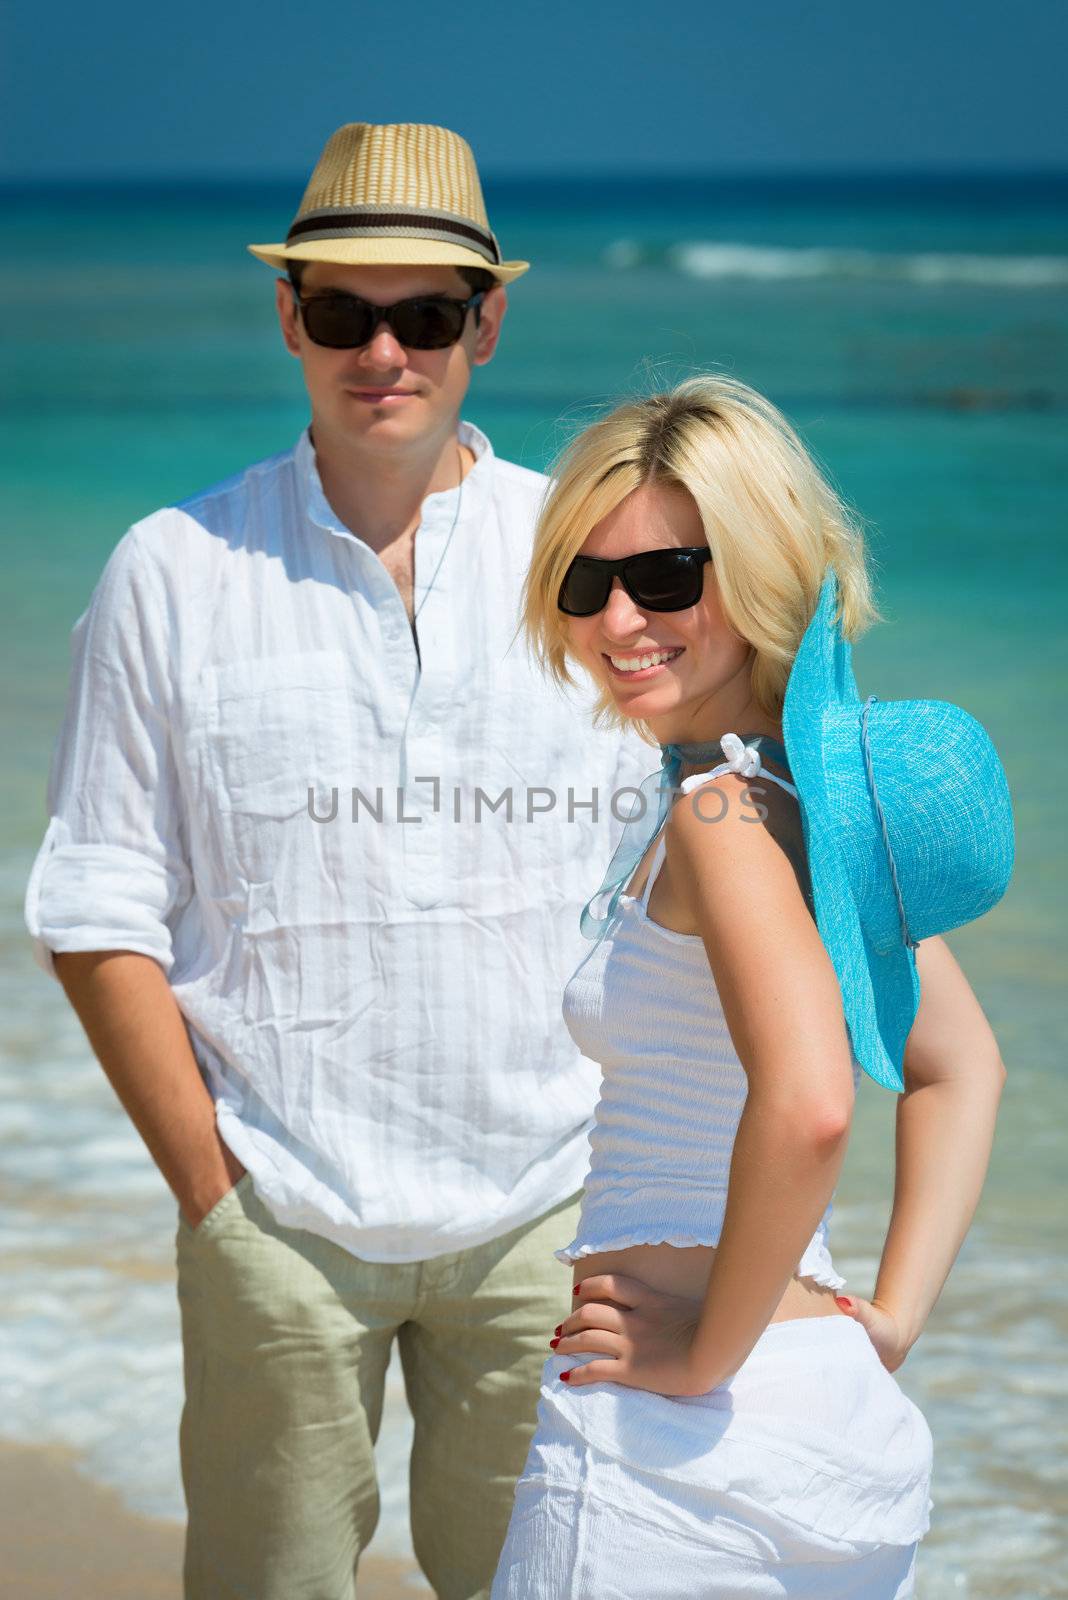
[
  {"x": 815, "y": 1263},
  {"x": 626, "y": 1241}
]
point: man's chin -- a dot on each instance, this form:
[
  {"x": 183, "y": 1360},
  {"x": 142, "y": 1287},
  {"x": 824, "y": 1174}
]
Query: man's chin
[{"x": 402, "y": 424}]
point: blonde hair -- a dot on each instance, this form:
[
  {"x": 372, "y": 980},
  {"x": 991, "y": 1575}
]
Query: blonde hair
[{"x": 773, "y": 522}]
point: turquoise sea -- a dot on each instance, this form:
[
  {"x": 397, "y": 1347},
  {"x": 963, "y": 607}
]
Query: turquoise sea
[{"x": 917, "y": 335}]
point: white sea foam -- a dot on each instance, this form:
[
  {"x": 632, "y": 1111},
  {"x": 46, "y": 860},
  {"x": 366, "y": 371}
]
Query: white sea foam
[{"x": 715, "y": 259}]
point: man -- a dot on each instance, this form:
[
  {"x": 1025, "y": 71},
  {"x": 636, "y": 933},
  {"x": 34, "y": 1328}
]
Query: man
[{"x": 311, "y": 882}]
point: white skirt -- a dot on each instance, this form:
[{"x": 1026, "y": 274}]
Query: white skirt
[{"x": 805, "y": 1475}]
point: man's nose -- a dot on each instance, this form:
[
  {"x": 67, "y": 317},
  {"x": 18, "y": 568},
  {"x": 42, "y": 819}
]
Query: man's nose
[{"x": 383, "y": 349}]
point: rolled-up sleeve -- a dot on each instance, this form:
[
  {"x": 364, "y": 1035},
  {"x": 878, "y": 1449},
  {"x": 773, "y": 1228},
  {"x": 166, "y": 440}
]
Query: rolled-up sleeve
[{"x": 112, "y": 871}]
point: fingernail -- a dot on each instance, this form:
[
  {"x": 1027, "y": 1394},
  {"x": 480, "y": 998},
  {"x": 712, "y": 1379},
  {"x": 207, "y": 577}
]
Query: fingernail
[
  {"x": 558, "y": 1330},
  {"x": 553, "y": 1343},
  {"x": 577, "y": 1288},
  {"x": 564, "y": 1376},
  {"x": 841, "y": 1300}
]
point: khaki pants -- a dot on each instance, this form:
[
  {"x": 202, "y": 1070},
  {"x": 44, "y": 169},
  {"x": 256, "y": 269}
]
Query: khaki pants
[{"x": 287, "y": 1339}]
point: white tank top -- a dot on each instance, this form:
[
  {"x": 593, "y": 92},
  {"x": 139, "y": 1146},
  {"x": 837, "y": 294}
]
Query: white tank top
[{"x": 645, "y": 1005}]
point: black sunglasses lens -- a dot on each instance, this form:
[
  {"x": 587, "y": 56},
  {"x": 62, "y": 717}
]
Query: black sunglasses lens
[
  {"x": 665, "y": 580},
  {"x": 341, "y": 322},
  {"x": 585, "y": 588},
  {"x": 337, "y": 321},
  {"x": 428, "y": 324}
]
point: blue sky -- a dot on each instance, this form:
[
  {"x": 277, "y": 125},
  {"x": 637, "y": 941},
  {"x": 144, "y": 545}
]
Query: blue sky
[{"x": 251, "y": 88}]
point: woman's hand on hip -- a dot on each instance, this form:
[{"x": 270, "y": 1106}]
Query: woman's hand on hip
[
  {"x": 641, "y": 1337},
  {"x": 881, "y": 1325}
]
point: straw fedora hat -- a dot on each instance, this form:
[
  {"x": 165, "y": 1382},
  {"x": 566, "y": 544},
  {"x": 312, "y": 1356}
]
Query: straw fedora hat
[{"x": 396, "y": 194}]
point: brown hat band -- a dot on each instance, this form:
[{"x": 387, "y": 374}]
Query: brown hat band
[{"x": 353, "y": 222}]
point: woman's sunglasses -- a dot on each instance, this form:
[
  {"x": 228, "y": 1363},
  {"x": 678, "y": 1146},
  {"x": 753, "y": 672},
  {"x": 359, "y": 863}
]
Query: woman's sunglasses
[
  {"x": 344, "y": 322},
  {"x": 656, "y": 580}
]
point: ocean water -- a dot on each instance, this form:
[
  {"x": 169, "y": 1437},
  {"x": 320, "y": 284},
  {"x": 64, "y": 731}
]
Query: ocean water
[{"x": 917, "y": 335}]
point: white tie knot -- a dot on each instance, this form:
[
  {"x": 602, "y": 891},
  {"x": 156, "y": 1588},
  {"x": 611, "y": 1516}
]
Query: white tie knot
[{"x": 741, "y": 758}]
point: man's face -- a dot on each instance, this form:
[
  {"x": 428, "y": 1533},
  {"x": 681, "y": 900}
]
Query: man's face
[{"x": 384, "y": 395}]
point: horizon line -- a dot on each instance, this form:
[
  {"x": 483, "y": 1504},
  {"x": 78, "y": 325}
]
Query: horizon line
[{"x": 568, "y": 178}]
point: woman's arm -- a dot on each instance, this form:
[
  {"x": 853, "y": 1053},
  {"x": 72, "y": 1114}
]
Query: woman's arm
[
  {"x": 783, "y": 1007},
  {"x": 945, "y": 1128}
]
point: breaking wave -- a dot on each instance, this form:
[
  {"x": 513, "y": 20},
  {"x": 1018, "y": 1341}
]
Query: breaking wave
[{"x": 759, "y": 263}]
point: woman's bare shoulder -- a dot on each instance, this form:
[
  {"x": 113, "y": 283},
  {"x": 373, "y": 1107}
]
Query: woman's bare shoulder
[
  {"x": 744, "y": 832},
  {"x": 767, "y": 959}
]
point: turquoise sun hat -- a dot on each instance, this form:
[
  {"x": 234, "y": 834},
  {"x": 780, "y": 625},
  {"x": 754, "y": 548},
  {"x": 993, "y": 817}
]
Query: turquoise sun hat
[{"x": 908, "y": 830}]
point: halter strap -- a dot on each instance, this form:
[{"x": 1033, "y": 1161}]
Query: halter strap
[
  {"x": 655, "y": 796},
  {"x": 693, "y": 781}
]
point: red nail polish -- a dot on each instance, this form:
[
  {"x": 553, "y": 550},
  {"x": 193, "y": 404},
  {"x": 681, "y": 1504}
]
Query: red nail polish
[
  {"x": 840, "y": 1300},
  {"x": 553, "y": 1343},
  {"x": 564, "y": 1376},
  {"x": 558, "y": 1330},
  {"x": 577, "y": 1289}
]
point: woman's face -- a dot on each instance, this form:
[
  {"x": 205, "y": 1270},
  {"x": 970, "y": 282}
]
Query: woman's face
[{"x": 698, "y": 686}]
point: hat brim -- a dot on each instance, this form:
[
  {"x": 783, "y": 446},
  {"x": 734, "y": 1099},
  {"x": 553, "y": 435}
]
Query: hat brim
[
  {"x": 396, "y": 252},
  {"x": 880, "y": 992}
]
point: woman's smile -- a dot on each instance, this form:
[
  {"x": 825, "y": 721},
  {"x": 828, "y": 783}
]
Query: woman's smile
[{"x": 638, "y": 666}]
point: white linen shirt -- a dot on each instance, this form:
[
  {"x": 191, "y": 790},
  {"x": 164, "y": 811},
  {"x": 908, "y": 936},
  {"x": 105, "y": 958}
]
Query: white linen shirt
[{"x": 374, "y": 1000}]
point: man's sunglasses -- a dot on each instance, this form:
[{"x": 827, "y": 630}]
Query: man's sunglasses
[
  {"x": 343, "y": 321},
  {"x": 656, "y": 580}
]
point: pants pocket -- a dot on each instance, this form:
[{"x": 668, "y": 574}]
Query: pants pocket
[{"x": 222, "y": 1205}]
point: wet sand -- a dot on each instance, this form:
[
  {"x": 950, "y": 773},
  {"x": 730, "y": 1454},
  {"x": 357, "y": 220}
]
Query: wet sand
[{"x": 62, "y": 1535}]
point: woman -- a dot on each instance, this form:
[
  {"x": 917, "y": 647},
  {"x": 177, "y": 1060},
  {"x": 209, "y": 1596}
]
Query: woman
[{"x": 715, "y": 1420}]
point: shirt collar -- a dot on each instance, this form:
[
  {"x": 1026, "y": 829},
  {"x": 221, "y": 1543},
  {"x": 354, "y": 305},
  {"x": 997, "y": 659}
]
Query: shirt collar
[{"x": 439, "y": 507}]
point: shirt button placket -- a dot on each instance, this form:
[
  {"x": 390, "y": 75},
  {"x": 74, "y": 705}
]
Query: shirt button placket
[{"x": 429, "y": 790}]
